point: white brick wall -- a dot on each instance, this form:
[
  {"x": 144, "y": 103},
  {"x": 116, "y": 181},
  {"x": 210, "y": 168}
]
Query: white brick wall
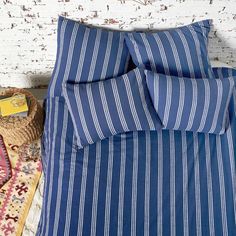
[{"x": 28, "y": 29}]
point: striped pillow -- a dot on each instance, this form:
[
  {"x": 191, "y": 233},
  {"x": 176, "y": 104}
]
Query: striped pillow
[
  {"x": 87, "y": 54},
  {"x": 230, "y": 72},
  {"x": 198, "y": 105},
  {"x": 179, "y": 52},
  {"x": 105, "y": 108}
]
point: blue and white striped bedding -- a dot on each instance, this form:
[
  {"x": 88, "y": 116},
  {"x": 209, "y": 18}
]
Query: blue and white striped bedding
[
  {"x": 109, "y": 107},
  {"x": 148, "y": 182},
  {"x": 178, "y": 52},
  {"x": 138, "y": 183},
  {"x": 198, "y": 105},
  {"x": 87, "y": 54}
]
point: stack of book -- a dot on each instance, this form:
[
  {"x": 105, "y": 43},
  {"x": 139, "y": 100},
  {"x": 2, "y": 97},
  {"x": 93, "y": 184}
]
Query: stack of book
[{"x": 16, "y": 105}]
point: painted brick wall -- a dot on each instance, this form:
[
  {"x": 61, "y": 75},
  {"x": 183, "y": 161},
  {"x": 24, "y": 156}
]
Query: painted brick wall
[{"x": 28, "y": 29}]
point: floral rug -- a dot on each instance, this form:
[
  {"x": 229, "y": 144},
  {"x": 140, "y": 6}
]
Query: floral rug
[{"x": 17, "y": 193}]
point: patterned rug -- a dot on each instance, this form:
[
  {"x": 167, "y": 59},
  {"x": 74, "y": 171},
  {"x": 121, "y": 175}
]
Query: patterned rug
[
  {"x": 5, "y": 166},
  {"x": 17, "y": 193}
]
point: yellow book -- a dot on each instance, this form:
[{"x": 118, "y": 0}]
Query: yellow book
[{"x": 13, "y": 105}]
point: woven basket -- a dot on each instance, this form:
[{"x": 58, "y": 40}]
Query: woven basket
[{"x": 20, "y": 130}]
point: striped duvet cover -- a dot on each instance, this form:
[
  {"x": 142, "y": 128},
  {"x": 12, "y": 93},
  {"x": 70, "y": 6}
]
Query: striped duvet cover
[{"x": 138, "y": 183}]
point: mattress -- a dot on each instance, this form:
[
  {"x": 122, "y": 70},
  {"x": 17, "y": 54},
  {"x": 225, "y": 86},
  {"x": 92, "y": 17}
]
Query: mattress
[{"x": 138, "y": 183}]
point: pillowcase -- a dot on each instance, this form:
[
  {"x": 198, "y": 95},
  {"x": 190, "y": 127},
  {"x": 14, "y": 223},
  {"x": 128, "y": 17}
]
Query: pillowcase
[
  {"x": 180, "y": 52},
  {"x": 198, "y": 105},
  {"x": 87, "y": 54},
  {"x": 105, "y": 108},
  {"x": 221, "y": 72}
]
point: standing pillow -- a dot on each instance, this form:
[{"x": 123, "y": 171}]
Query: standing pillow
[
  {"x": 87, "y": 54},
  {"x": 179, "y": 52},
  {"x": 105, "y": 108},
  {"x": 197, "y": 105}
]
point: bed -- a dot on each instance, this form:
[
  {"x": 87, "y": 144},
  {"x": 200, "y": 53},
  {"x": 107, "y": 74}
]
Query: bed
[{"x": 148, "y": 177}]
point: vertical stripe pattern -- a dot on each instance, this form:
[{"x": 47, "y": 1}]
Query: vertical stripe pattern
[
  {"x": 179, "y": 52},
  {"x": 134, "y": 183},
  {"x": 86, "y": 54}
]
